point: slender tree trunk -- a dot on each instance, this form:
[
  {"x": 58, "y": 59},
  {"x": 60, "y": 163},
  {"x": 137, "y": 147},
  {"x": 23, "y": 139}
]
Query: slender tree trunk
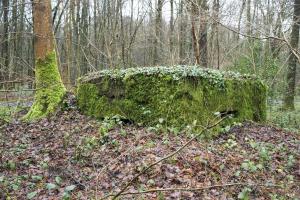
[
  {"x": 182, "y": 35},
  {"x": 292, "y": 62},
  {"x": 248, "y": 17},
  {"x": 195, "y": 44},
  {"x": 49, "y": 87},
  {"x": 96, "y": 25},
  {"x": 215, "y": 48},
  {"x": 74, "y": 40},
  {"x": 203, "y": 34},
  {"x": 123, "y": 42},
  {"x": 131, "y": 34},
  {"x": 158, "y": 32},
  {"x": 240, "y": 18},
  {"x": 5, "y": 48},
  {"x": 78, "y": 37},
  {"x": 84, "y": 32},
  {"x": 13, "y": 71},
  {"x": 275, "y": 45},
  {"x": 66, "y": 76},
  {"x": 20, "y": 39},
  {"x": 172, "y": 28},
  {"x": 194, "y": 14}
]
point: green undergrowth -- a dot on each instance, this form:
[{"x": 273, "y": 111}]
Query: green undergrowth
[
  {"x": 6, "y": 113},
  {"x": 49, "y": 88},
  {"x": 289, "y": 120},
  {"x": 174, "y": 96}
]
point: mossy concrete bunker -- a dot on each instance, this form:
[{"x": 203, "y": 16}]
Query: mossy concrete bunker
[{"x": 177, "y": 96}]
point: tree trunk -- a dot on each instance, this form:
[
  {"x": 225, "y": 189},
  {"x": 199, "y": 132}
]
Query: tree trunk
[
  {"x": 182, "y": 35},
  {"x": 195, "y": 44},
  {"x": 5, "y": 48},
  {"x": 277, "y": 31},
  {"x": 20, "y": 38},
  {"x": 84, "y": 34},
  {"x": 194, "y": 14},
  {"x": 215, "y": 48},
  {"x": 13, "y": 71},
  {"x": 248, "y": 17},
  {"x": 292, "y": 62},
  {"x": 172, "y": 29},
  {"x": 49, "y": 87},
  {"x": 203, "y": 34},
  {"x": 158, "y": 32},
  {"x": 240, "y": 18}
]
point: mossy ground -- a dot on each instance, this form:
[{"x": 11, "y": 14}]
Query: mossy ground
[
  {"x": 178, "y": 96},
  {"x": 49, "y": 88}
]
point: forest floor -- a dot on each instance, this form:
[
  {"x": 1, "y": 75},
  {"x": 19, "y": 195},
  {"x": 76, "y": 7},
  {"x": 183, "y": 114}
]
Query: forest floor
[{"x": 71, "y": 156}]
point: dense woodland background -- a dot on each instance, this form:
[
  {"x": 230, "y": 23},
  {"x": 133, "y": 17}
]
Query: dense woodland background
[{"x": 249, "y": 36}]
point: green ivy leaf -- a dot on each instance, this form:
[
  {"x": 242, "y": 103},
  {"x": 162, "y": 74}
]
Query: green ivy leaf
[
  {"x": 66, "y": 196},
  {"x": 58, "y": 180},
  {"x": 227, "y": 128},
  {"x": 237, "y": 173},
  {"x": 50, "y": 186},
  {"x": 31, "y": 195},
  {"x": 37, "y": 178},
  {"x": 245, "y": 194},
  {"x": 15, "y": 187},
  {"x": 70, "y": 188},
  {"x": 161, "y": 120}
]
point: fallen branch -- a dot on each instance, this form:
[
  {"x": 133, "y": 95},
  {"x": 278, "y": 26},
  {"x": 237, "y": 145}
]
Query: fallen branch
[
  {"x": 161, "y": 160},
  {"x": 196, "y": 189}
]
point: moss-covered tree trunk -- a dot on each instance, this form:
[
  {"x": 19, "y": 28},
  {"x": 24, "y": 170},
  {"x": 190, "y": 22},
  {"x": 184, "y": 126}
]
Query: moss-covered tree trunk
[{"x": 49, "y": 87}]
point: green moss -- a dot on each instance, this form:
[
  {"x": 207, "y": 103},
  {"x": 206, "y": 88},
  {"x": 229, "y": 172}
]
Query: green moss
[
  {"x": 179, "y": 95},
  {"x": 49, "y": 88}
]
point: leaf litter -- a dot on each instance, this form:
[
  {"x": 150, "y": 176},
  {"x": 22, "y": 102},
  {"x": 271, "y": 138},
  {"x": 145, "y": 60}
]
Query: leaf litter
[{"x": 67, "y": 157}]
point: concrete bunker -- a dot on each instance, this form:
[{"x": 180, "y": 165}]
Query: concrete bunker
[{"x": 175, "y": 95}]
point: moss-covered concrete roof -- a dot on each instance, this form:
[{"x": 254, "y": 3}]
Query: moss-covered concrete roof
[{"x": 176, "y": 72}]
